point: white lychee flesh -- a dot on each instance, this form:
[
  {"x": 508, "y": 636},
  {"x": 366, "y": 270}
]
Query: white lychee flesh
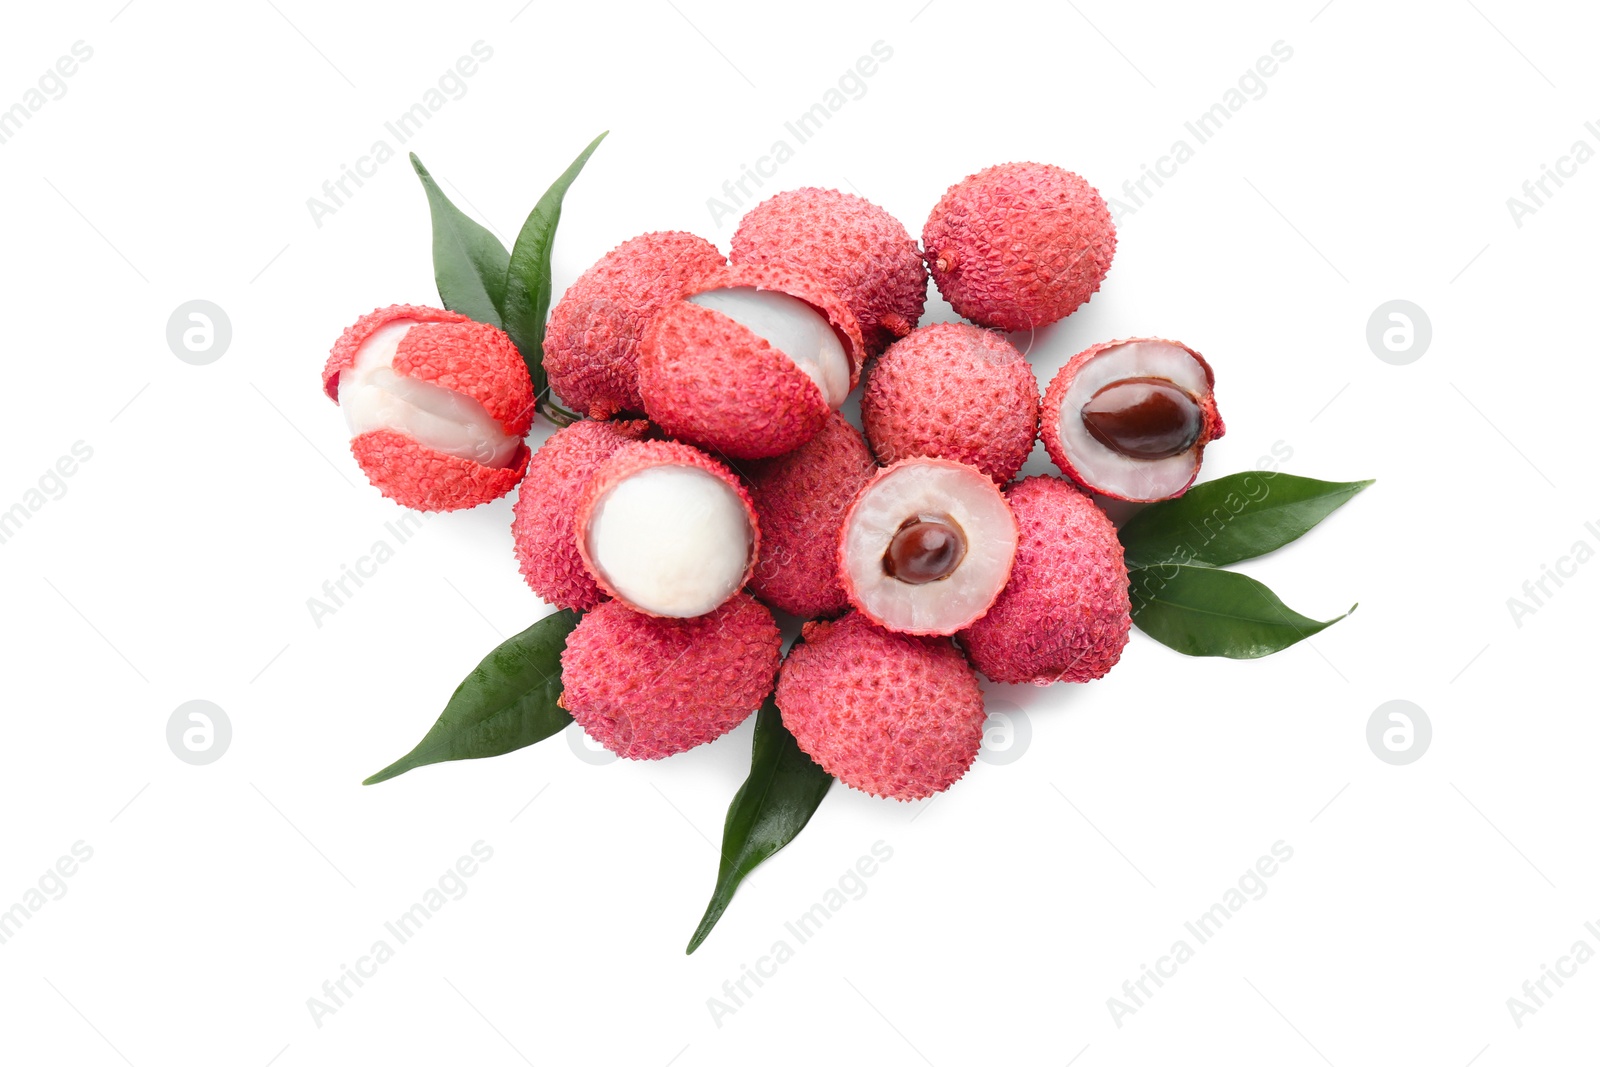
[
  {"x": 671, "y": 540},
  {"x": 945, "y": 492},
  {"x": 1108, "y": 471},
  {"x": 374, "y": 397},
  {"x": 791, "y": 326}
]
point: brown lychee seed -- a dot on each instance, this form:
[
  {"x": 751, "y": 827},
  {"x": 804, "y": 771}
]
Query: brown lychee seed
[
  {"x": 925, "y": 550},
  {"x": 1144, "y": 418}
]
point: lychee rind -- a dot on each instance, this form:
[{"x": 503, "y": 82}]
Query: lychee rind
[
  {"x": 953, "y": 391},
  {"x": 544, "y": 517},
  {"x": 889, "y": 714},
  {"x": 591, "y": 343},
  {"x": 1211, "y": 428},
  {"x": 1064, "y": 615},
  {"x": 800, "y": 500},
  {"x": 849, "y": 244},
  {"x": 421, "y": 478},
  {"x": 1019, "y": 245},
  {"x": 354, "y": 336},
  {"x": 708, "y": 380},
  {"x": 647, "y": 687}
]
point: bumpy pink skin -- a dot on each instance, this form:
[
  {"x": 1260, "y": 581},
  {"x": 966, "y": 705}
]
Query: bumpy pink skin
[
  {"x": 1211, "y": 427},
  {"x": 1063, "y": 617},
  {"x": 1020, "y": 245},
  {"x": 801, "y": 500},
  {"x": 847, "y": 243},
  {"x": 591, "y": 344},
  {"x": 888, "y": 714},
  {"x": 953, "y": 391},
  {"x": 646, "y": 688},
  {"x": 451, "y": 351},
  {"x": 634, "y": 457},
  {"x": 709, "y": 381},
  {"x": 544, "y": 516}
]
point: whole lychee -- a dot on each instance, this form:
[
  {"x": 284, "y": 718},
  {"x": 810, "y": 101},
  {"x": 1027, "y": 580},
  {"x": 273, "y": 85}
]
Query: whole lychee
[
  {"x": 1020, "y": 245},
  {"x": 1063, "y": 617},
  {"x": 437, "y": 405},
  {"x": 889, "y": 714},
  {"x": 953, "y": 391},
  {"x": 749, "y": 363},
  {"x": 1131, "y": 419},
  {"x": 543, "y": 526},
  {"x": 800, "y": 500},
  {"x": 648, "y": 687},
  {"x": 666, "y": 529},
  {"x": 926, "y": 546},
  {"x": 591, "y": 344},
  {"x": 850, "y": 245}
]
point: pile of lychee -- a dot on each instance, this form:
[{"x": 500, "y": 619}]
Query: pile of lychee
[{"x": 712, "y": 480}]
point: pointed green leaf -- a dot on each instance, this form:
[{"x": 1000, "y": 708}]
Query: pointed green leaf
[
  {"x": 1201, "y": 611},
  {"x": 528, "y": 277},
  {"x": 469, "y": 262},
  {"x": 508, "y": 702},
  {"x": 1232, "y": 518},
  {"x": 767, "y": 812}
]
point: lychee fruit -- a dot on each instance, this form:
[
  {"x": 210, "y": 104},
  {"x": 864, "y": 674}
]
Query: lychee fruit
[
  {"x": 1063, "y": 617},
  {"x": 926, "y": 546},
  {"x": 544, "y": 517},
  {"x": 953, "y": 391},
  {"x": 889, "y": 714},
  {"x": 437, "y": 405},
  {"x": 1020, "y": 245},
  {"x": 1131, "y": 419},
  {"x": 749, "y": 362},
  {"x": 648, "y": 687},
  {"x": 800, "y": 501},
  {"x": 847, "y": 243},
  {"x": 666, "y": 529},
  {"x": 591, "y": 343}
]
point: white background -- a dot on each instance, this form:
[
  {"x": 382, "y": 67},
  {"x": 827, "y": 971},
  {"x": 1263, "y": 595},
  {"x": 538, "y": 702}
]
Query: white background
[{"x": 219, "y": 498}]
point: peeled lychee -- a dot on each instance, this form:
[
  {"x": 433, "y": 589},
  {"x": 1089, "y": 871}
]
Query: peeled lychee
[
  {"x": 1020, "y": 245},
  {"x": 591, "y": 344},
  {"x": 926, "y": 546},
  {"x": 1131, "y": 419},
  {"x": 545, "y": 515},
  {"x": 666, "y": 529},
  {"x": 800, "y": 500},
  {"x": 953, "y": 391},
  {"x": 437, "y": 405},
  {"x": 648, "y": 687},
  {"x": 749, "y": 362},
  {"x": 889, "y": 714},
  {"x": 1063, "y": 616},
  {"x": 850, "y": 245}
]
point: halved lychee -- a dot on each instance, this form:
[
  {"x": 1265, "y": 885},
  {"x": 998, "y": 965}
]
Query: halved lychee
[
  {"x": 927, "y": 546},
  {"x": 1131, "y": 419},
  {"x": 667, "y": 530},
  {"x": 749, "y": 362}
]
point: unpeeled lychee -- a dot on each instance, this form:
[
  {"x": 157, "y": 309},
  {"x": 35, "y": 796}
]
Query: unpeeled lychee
[
  {"x": 953, "y": 391},
  {"x": 437, "y": 405},
  {"x": 800, "y": 500},
  {"x": 890, "y": 714},
  {"x": 849, "y": 244},
  {"x": 543, "y": 527},
  {"x": 1020, "y": 245},
  {"x": 666, "y": 529},
  {"x": 1063, "y": 616},
  {"x": 648, "y": 687},
  {"x": 591, "y": 344}
]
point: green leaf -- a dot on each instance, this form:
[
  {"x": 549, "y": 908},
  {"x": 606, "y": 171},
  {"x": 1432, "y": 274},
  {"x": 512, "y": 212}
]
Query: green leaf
[
  {"x": 508, "y": 701},
  {"x": 469, "y": 262},
  {"x": 1233, "y": 518},
  {"x": 527, "y": 300},
  {"x": 1205, "y": 612},
  {"x": 767, "y": 812}
]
